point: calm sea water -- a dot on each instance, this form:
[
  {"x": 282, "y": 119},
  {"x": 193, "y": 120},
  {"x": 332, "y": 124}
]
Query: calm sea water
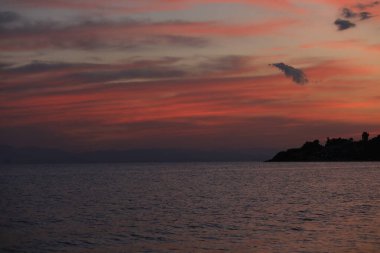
[{"x": 201, "y": 207}]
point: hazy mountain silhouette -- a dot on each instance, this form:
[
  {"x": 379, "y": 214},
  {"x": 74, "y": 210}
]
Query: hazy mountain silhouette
[
  {"x": 337, "y": 149},
  {"x": 10, "y": 154}
]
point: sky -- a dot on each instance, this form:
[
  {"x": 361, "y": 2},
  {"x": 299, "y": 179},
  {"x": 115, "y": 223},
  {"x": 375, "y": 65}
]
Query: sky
[{"x": 187, "y": 74}]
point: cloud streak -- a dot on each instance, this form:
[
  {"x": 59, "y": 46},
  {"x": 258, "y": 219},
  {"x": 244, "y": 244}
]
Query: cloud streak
[
  {"x": 348, "y": 13},
  {"x": 40, "y": 76},
  {"x": 125, "y": 33},
  {"x": 89, "y": 34},
  {"x": 8, "y": 17},
  {"x": 143, "y": 6}
]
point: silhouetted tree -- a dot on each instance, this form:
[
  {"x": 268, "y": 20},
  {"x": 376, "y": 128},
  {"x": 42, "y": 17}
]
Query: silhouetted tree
[
  {"x": 365, "y": 136},
  {"x": 336, "y": 149}
]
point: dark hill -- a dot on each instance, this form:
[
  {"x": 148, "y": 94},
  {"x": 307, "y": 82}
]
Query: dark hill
[{"x": 334, "y": 150}]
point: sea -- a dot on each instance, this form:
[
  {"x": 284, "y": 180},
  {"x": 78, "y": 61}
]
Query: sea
[{"x": 190, "y": 207}]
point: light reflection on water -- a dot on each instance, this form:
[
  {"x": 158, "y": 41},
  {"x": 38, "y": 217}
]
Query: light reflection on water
[{"x": 200, "y": 207}]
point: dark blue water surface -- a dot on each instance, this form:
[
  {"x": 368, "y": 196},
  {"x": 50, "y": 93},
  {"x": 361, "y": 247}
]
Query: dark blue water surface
[{"x": 200, "y": 207}]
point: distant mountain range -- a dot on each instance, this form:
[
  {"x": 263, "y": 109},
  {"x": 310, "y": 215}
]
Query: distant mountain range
[
  {"x": 337, "y": 149},
  {"x": 10, "y": 154}
]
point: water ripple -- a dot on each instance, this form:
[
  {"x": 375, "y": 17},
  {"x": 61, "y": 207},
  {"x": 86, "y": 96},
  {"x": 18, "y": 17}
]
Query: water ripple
[{"x": 221, "y": 207}]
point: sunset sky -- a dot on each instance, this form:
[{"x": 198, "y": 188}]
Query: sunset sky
[{"x": 188, "y": 74}]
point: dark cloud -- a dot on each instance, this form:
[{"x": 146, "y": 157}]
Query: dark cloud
[
  {"x": 366, "y": 6},
  {"x": 8, "y": 17},
  {"x": 365, "y": 15},
  {"x": 348, "y": 13},
  {"x": 73, "y": 34},
  {"x": 4, "y": 65},
  {"x": 356, "y": 13},
  {"x": 28, "y": 26},
  {"x": 343, "y": 24},
  {"x": 297, "y": 75}
]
